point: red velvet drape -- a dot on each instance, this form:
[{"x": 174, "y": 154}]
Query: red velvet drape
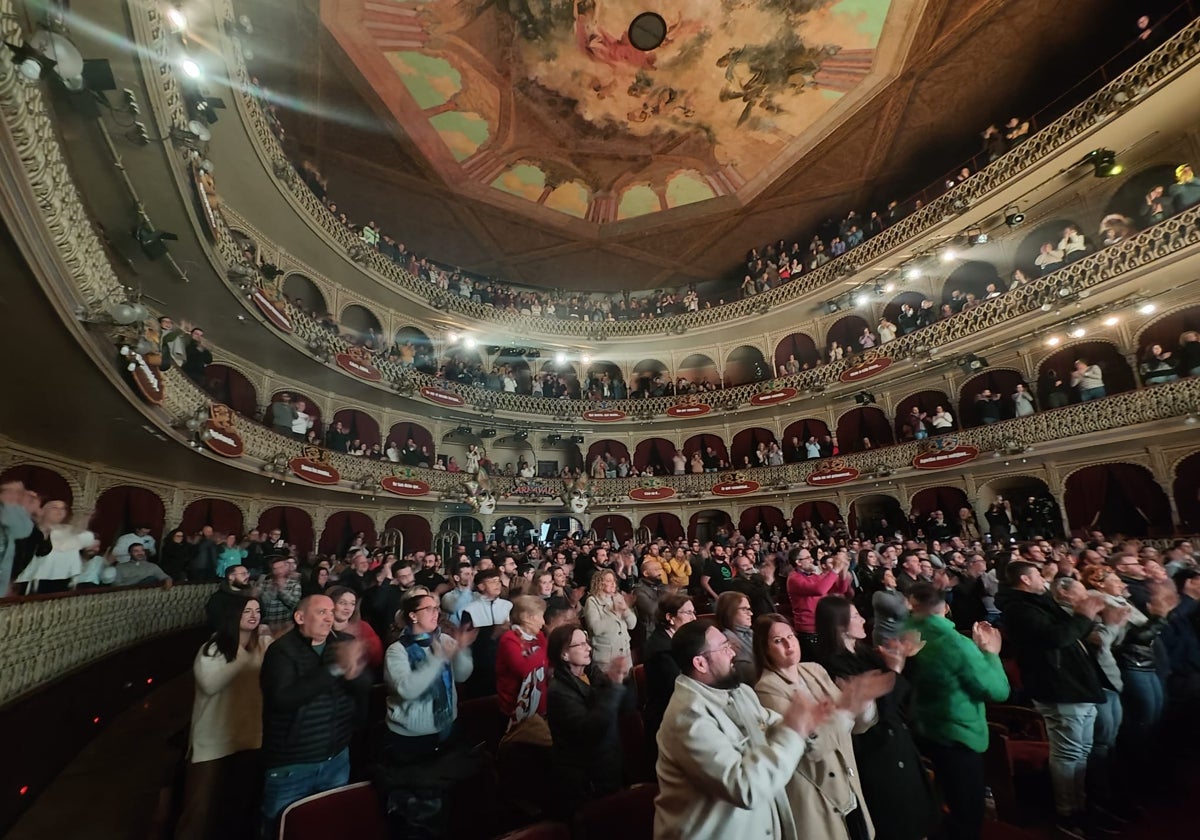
[
  {"x": 402, "y": 431},
  {"x": 866, "y": 421},
  {"x": 607, "y": 447},
  {"x": 700, "y": 443},
  {"x": 746, "y": 442},
  {"x": 310, "y": 408},
  {"x": 360, "y": 425},
  {"x": 221, "y": 514},
  {"x": 926, "y": 401},
  {"x": 658, "y": 452},
  {"x": 817, "y": 513},
  {"x": 997, "y": 380},
  {"x": 296, "y": 525},
  {"x": 714, "y": 519},
  {"x": 1186, "y": 488},
  {"x": 45, "y": 482},
  {"x": 662, "y": 525},
  {"x": 949, "y": 500},
  {"x": 418, "y": 535},
  {"x": 620, "y": 527},
  {"x": 120, "y": 509},
  {"x": 340, "y": 530},
  {"x": 229, "y": 386},
  {"x": 799, "y": 345},
  {"x": 1117, "y": 498},
  {"x": 767, "y": 517}
]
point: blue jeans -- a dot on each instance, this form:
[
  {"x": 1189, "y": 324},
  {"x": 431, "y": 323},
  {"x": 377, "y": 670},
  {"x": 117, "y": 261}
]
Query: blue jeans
[
  {"x": 1088, "y": 394},
  {"x": 285, "y": 785},
  {"x": 1070, "y": 728},
  {"x": 1104, "y": 742},
  {"x": 1144, "y": 698}
]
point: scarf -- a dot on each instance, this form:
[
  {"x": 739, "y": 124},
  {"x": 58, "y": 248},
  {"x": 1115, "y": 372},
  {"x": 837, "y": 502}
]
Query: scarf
[{"x": 441, "y": 692}]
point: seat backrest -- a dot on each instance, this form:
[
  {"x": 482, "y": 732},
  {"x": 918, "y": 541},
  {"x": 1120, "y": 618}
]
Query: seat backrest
[
  {"x": 540, "y": 831},
  {"x": 481, "y": 721},
  {"x": 349, "y": 811},
  {"x": 628, "y": 814},
  {"x": 639, "y": 682}
]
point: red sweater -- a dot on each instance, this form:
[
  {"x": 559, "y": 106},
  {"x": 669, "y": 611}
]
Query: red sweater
[
  {"x": 804, "y": 591},
  {"x": 521, "y": 675}
]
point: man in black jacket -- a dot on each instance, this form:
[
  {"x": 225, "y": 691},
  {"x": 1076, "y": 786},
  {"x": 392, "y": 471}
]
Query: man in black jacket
[
  {"x": 314, "y": 694},
  {"x": 1059, "y": 675}
]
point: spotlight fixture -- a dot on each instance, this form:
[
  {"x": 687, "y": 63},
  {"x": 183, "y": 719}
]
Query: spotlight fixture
[
  {"x": 463, "y": 430},
  {"x": 560, "y": 358},
  {"x": 1052, "y": 341},
  {"x": 452, "y": 337},
  {"x": 912, "y": 273},
  {"x": 1013, "y": 216},
  {"x": 864, "y": 398},
  {"x": 469, "y": 343},
  {"x": 176, "y": 18},
  {"x": 190, "y": 68},
  {"x": 554, "y": 438},
  {"x": 586, "y": 359},
  {"x": 1147, "y": 308},
  {"x": 576, "y": 438},
  {"x": 30, "y": 63},
  {"x": 861, "y": 299},
  {"x": 831, "y": 306},
  {"x": 1111, "y": 321},
  {"x": 487, "y": 433},
  {"x": 949, "y": 255},
  {"x": 1077, "y": 332},
  {"x": 1104, "y": 163},
  {"x": 522, "y": 435},
  {"x": 971, "y": 363},
  {"x": 976, "y": 236},
  {"x": 888, "y": 288}
]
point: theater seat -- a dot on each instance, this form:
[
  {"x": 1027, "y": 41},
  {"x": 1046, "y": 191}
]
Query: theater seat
[
  {"x": 627, "y": 814},
  {"x": 634, "y": 755},
  {"x": 480, "y": 721},
  {"x": 350, "y": 811},
  {"x": 540, "y": 831},
  {"x": 639, "y": 682}
]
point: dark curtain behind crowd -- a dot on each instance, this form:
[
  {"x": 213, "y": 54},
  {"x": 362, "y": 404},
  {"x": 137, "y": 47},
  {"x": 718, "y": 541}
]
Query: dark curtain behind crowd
[
  {"x": 120, "y": 509},
  {"x": 295, "y": 524},
  {"x": 1117, "y": 498},
  {"x": 221, "y": 514},
  {"x": 45, "y": 482}
]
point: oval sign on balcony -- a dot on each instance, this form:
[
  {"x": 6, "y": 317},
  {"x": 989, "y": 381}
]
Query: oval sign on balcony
[
  {"x": 773, "y": 397},
  {"x": 734, "y": 488},
  {"x": 831, "y": 476},
  {"x": 651, "y": 494},
  {"x": 402, "y": 486},
  {"x": 272, "y": 312},
  {"x": 603, "y": 415},
  {"x": 869, "y": 365},
  {"x": 148, "y": 380},
  {"x": 689, "y": 410},
  {"x": 357, "y": 367},
  {"x": 937, "y": 459},
  {"x": 314, "y": 471},
  {"x": 437, "y": 395},
  {"x": 222, "y": 440}
]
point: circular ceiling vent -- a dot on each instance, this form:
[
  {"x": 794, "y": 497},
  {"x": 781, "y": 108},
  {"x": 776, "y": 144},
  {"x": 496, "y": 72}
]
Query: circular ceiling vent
[{"x": 647, "y": 31}]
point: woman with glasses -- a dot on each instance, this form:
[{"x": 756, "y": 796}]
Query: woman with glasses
[
  {"x": 735, "y": 618},
  {"x": 894, "y": 784},
  {"x": 609, "y": 618},
  {"x": 346, "y": 619},
  {"x": 825, "y": 792},
  {"x": 675, "y": 609}
]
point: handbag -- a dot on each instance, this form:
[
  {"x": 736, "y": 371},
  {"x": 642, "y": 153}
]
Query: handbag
[{"x": 533, "y": 731}]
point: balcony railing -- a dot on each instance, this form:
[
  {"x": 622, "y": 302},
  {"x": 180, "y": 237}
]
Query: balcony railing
[{"x": 1138, "y": 80}]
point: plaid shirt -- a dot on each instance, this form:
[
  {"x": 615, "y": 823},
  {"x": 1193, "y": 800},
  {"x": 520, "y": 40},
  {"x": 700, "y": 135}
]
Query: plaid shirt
[{"x": 278, "y": 603}]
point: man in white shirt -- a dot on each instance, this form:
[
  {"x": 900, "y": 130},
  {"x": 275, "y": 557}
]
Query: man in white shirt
[
  {"x": 302, "y": 421},
  {"x": 463, "y": 593},
  {"x": 489, "y": 614},
  {"x": 139, "y": 535}
]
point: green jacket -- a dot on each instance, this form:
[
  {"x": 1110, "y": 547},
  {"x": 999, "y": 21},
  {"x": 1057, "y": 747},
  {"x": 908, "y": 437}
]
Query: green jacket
[{"x": 952, "y": 679}]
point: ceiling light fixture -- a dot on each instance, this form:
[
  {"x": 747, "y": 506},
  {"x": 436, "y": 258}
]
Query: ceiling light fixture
[
  {"x": 1013, "y": 216},
  {"x": 190, "y": 68},
  {"x": 176, "y": 18},
  {"x": 469, "y": 343},
  {"x": 647, "y": 31},
  {"x": 1104, "y": 163},
  {"x": 1078, "y": 332},
  {"x": 949, "y": 255},
  {"x": 560, "y": 358},
  {"x": 1147, "y": 308},
  {"x": 1111, "y": 321},
  {"x": 1053, "y": 341}
]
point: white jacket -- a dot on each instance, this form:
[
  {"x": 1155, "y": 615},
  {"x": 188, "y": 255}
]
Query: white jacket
[{"x": 724, "y": 763}]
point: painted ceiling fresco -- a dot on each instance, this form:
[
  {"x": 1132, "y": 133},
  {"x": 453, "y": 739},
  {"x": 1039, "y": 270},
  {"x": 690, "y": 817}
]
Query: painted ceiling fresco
[{"x": 547, "y": 101}]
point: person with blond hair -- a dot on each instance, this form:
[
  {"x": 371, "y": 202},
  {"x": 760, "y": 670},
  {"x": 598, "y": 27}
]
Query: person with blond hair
[{"x": 609, "y": 618}]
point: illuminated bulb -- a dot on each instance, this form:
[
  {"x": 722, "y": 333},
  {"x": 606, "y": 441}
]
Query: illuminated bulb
[
  {"x": 912, "y": 273},
  {"x": 1147, "y": 308},
  {"x": 1111, "y": 321},
  {"x": 861, "y": 300},
  {"x": 1078, "y": 332},
  {"x": 1052, "y": 341},
  {"x": 469, "y": 342},
  {"x": 452, "y": 337},
  {"x": 560, "y": 358},
  {"x": 586, "y": 360},
  {"x": 890, "y": 287},
  {"x": 949, "y": 255},
  {"x": 177, "y": 18},
  {"x": 190, "y": 68}
]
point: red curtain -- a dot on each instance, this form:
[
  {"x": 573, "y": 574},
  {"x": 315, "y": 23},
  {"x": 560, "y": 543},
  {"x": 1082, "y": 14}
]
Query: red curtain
[
  {"x": 656, "y": 452},
  {"x": 846, "y": 331},
  {"x": 1117, "y": 499},
  {"x": 799, "y": 345},
  {"x": 402, "y": 431},
  {"x": 1166, "y": 330},
  {"x": 360, "y": 425},
  {"x": 713, "y": 519},
  {"x": 745, "y": 365},
  {"x": 746, "y": 442},
  {"x": 418, "y": 536},
  {"x": 221, "y": 514},
  {"x": 817, "y": 513},
  {"x": 804, "y": 429},
  {"x": 949, "y": 500},
  {"x": 998, "y": 381},
  {"x": 868, "y": 512},
  {"x": 310, "y": 408},
  {"x": 766, "y": 516},
  {"x": 663, "y": 525},
  {"x": 892, "y": 310},
  {"x": 699, "y": 368},
  {"x": 1187, "y": 493},
  {"x": 700, "y": 443},
  {"x": 45, "y": 482},
  {"x": 295, "y": 524},
  {"x": 620, "y": 526},
  {"x": 926, "y": 401},
  {"x": 864, "y": 422},
  {"x": 340, "y": 530},
  {"x": 608, "y": 447},
  {"x": 973, "y": 278},
  {"x": 120, "y": 509},
  {"x": 1118, "y": 375},
  {"x": 229, "y": 386}
]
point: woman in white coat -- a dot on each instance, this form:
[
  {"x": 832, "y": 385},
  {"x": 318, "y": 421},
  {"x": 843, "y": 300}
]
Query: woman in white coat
[
  {"x": 56, "y": 569},
  {"x": 608, "y": 618}
]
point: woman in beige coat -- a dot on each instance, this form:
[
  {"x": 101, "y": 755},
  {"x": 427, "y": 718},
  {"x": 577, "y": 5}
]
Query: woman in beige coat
[
  {"x": 825, "y": 792},
  {"x": 608, "y": 618}
]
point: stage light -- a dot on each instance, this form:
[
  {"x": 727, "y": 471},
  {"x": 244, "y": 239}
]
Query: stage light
[
  {"x": 177, "y": 19},
  {"x": 1111, "y": 321},
  {"x": 560, "y": 358},
  {"x": 1147, "y": 308},
  {"x": 469, "y": 343},
  {"x": 1104, "y": 163},
  {"x": 190, "y": 68},
  {"x": 1078, "y": 332},
  {"x": 949, "y": 255},
  {"x": 1052, "y": 341},
  {"x": 1013, "y": 216},
  {"x": 861, "y": 300}
]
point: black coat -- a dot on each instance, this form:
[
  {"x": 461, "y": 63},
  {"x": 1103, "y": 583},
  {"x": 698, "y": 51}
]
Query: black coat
[
  {"x": 586, "y": 758},
  {"x": 1050, "y": 648},
  {"x": 899, "y": 798},
  {"x": 308, "y": 714},
  {"x": 661, "y": 671},
  {"x": 756, "y": 593}
]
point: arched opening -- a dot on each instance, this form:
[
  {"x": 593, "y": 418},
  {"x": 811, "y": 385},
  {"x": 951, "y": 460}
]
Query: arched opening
[
  {"x": 564, "y": 453},
  {"x": 651, "y": 378},
  {"x": 1186, "y": 489},
  {"x": 892, "y": 310},
  {"x": 795, "y": 352},
  {"x": 564, "y": 378},
  {"x": 704, "y": 525},
  {"x": 949, "y": 500},
  {"x": 223, "y": 515},
  {"x": 418, "y": 536},
  {"x": 344, "y": 529},
  {"x": 1167, "y": 332},
  {"x": 863, "y": 428},
  {"x": 465, "y": 529},
  {"x": 310, "y": 408},
  {"x": 48, "y": 484},
  {"x": 1034, "y": 508},
  {"x": 412, "y": 348},
  {"x": 511, "y": 370},
  {"x": 819, "y": 514},
  {"x": 362, "y": 326},
  {"x": 995, "y": 387},
  {"x": 655, "y": 454},
  {"x": 973, "y": 281},
  {"x": 357, "y": 426},
  {"x": 702, "y": 444},
  {"x": 876, "y": 516},
  {"x": 744, "y": 365},
  {"x": 909, "y": 424},
  {"x": 305, "y": 295},
  {"x": 800, "y": 432},
  {"x": 604, "y": 380},
  {"x": 295, "y": 527},
  {"x": 1118, "y": 375},
  {"x": 513, "y": 531},
  {"x": 761, "y": 520},
  {"x": 508, "y": 454},
  {"x": 614, "y": 528},
  {"x": 229, "y": 386},
  {"x": 665, "y": 525},
  {"x": 747, "y": 445},
  {"x": 1033, "y": 246},
  {"x": 461, "y": 364},
  {"x": 421, "y": 452},
  {"x": 558, "y": 528},
  {"x": 1117, "y": 498},
  {"x": 699, "y": 371},
  {"x": 844, "y": 335},
  {"x": 613, "y": 452},
  {"x": 1130, "y": 198},
  {"x": 122, "y": 508}
]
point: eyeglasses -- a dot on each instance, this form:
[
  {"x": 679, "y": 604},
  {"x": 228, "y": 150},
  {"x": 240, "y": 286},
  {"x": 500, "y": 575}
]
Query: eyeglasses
[
  {"x": 688, "y": 611},
  {"x": 428, "y": 607},
  {"x": 725, "y": 648},
  {"x": 744, "y": 609}
]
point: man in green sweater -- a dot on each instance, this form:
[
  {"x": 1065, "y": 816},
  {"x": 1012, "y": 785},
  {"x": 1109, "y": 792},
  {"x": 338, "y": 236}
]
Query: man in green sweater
[{"x": 952, "y": 677}]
